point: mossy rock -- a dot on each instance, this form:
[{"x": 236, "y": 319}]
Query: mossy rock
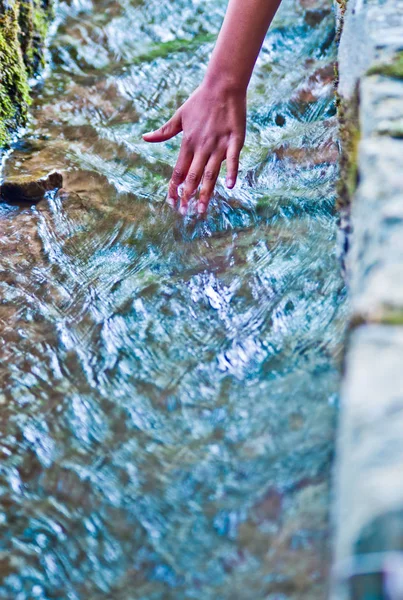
[
  {"x": 349, "y": 132},
  {"x": 23, "y": 29}
]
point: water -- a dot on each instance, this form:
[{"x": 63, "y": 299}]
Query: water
[{"x": 169, "y": 387}]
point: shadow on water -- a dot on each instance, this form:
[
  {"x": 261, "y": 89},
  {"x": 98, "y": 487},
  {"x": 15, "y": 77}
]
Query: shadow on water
[{"x": 169, "y": 388}]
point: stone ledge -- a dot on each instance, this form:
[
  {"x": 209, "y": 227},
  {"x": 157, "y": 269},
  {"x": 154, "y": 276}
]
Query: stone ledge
[
  {"x": 372, "y": 32},
  {"x": 369, "y": 461},
  {"x": 376, "y": 258}
]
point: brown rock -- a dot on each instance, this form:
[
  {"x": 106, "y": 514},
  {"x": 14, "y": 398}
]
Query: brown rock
[{"x": 30, "y": 192}]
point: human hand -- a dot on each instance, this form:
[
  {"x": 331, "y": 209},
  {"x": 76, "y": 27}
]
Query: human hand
[{"x": 213, "y": 122}]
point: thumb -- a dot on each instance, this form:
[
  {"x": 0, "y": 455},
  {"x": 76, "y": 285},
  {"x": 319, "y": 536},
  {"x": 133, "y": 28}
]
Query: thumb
[{"x": 166, "y": 132}]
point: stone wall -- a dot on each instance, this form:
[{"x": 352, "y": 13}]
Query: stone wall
[
  {"x": 369, "y": 472},
  {"x": 23, "y": 28}
]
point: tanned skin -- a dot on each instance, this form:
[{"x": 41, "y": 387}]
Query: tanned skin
[{"x": 213, "y": 119}]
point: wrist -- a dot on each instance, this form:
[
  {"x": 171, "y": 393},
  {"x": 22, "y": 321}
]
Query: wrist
[{"x": 223, "y": 84}]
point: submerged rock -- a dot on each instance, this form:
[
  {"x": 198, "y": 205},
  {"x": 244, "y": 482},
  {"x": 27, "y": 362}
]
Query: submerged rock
[{"x": 30, "y": 191}]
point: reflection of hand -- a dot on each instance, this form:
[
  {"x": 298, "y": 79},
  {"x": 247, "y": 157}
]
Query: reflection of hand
[{"x": 213, "y": 122}]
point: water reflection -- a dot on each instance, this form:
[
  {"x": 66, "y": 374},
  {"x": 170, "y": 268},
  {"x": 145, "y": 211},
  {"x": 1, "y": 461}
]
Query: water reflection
[{"x": 168, "y": 387}]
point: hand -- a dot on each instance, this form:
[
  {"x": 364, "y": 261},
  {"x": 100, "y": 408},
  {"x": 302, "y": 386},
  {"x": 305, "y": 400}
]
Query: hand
[{"x": 213, "y": 122}]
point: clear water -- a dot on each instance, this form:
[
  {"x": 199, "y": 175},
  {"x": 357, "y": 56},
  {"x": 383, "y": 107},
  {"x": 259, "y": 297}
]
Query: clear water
[{"x": 169, "y": 387}]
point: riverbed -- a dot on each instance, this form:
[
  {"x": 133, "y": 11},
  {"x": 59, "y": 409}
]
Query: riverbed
[{"x": 169, "y": 386}]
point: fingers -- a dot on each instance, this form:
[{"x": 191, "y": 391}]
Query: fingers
[
  {"x": 166, "y": 132},
  {"x": 179, "y": 174},
  {"x": 192, "y": 168},
  {"x": 233, "y": 152},
  {"x": 192, "y": 181},
  {"x": 210, "y": 175}
]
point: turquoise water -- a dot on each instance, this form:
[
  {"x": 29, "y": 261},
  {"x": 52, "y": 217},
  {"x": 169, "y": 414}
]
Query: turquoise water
[{"x": 168, "y": 386}]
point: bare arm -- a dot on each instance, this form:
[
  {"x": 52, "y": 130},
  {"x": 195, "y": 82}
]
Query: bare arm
[{"x": 213, "y": 119}]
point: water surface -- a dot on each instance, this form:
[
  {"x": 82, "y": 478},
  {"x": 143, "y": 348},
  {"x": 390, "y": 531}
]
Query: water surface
[{"x": 168, "y": 386}]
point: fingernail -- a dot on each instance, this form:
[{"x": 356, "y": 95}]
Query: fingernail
[
  {"x": 230, "y": 183},
  {"x": 201, "y": 209},
  {"x": 170, "y": 201},
  {"x": 183, "y": 210}
]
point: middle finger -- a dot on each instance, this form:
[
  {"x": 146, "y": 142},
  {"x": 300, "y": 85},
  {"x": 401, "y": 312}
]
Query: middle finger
[{"x": 193, "y": 180}]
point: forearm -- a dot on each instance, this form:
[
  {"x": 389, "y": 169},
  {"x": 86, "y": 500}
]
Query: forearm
[{"x": 239, "y": 42}]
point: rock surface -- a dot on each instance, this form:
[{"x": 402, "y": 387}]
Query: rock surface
[
  {"x": 32, "y": 192},
  {"x": 369, "y": 486}
]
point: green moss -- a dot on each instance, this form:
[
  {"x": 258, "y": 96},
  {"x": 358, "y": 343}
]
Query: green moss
[
  {"x": 23, "y": 28},
  {"x": 25, "y": 22},
  {"x": 42, "y": 14},
  {"x": 388, "y": 315},
  {"x": 165, "y": 49},
  {"x": 349, "y": 131},
  {"x": 396, "y": 133},
  {"x": 342, "y": 5},
  {"x": 392, "y": 317},
  {"x": 391, "y": 69},
  {"x": 349, "y": 137},
  {"x": 14, "y": 91}
]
